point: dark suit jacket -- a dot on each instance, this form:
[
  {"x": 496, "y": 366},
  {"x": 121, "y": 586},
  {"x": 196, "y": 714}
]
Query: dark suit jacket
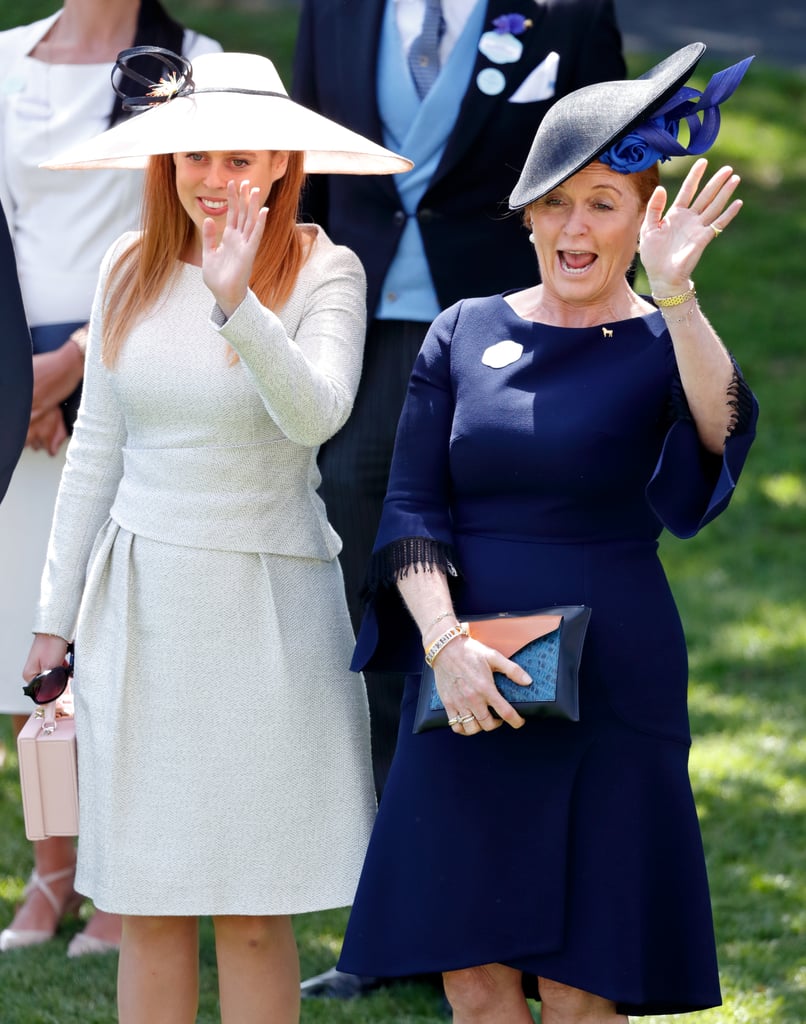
[
  {"x": 16, "y": 362},
  {"x": 473, "y": 244}
]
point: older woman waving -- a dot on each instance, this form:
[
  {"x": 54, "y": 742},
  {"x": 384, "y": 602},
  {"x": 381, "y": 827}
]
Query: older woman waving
[{"x": 549, "y": 435}]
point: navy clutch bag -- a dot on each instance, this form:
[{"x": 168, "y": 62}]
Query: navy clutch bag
[{"x": 547, "y": 643}]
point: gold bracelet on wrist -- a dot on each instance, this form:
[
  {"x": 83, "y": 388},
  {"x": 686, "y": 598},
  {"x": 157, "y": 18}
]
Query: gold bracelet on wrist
[
  {"x": 685, "y": 318},
  {"x": 450, "y": 634},
  {"x": 664, "y": 302},
  {"x": 439, "y": 618}
]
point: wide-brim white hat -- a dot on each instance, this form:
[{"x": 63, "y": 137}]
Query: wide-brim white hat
[{"x": 225, "y": 102}]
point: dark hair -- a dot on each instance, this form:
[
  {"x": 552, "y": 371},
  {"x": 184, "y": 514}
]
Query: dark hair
[{"x": 155, "y": 27}]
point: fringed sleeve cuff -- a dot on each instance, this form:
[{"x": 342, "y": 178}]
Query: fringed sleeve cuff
[
  {"x": 690, "y": 485},
  {"x": 743, "y": 403},
  {"x": 394, "y": 561},
  {"x": 388, "y": 640}
]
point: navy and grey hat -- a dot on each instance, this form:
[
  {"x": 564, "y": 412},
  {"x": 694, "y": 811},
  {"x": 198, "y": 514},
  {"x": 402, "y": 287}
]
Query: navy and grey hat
[{"x": 627, "y": 124}]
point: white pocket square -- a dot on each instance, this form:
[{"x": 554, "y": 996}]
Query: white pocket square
[{"x": 540, "y": 83}]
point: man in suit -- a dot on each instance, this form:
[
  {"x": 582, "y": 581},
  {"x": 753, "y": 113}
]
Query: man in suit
[
  {"x": 459, "y": 86},
  {"x": 16, "y": 365}
]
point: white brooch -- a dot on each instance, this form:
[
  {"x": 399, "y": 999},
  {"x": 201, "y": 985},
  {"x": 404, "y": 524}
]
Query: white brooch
[
  {"x": 502, "y": 353},
  {"x": 501, "y": 47}
]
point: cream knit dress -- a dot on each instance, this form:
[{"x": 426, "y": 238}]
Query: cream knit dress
[{"x": 224, "y": 762}]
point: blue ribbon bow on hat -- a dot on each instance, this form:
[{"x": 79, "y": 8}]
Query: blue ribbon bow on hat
[{"x": 656, "y": 139}]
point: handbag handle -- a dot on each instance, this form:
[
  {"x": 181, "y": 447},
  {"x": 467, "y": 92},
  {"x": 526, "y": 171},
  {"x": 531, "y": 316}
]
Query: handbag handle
[{"x": 51, "y": 713}]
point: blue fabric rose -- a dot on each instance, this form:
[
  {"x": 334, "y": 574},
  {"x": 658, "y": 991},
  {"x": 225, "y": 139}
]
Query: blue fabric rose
[
  {"x": 635, "y": 152},
  {"x": 630, "y": 154}
]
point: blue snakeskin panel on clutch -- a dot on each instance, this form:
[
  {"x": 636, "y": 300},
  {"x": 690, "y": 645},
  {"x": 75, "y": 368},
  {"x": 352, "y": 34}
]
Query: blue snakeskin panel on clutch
[{"x": 540, "y": 658}]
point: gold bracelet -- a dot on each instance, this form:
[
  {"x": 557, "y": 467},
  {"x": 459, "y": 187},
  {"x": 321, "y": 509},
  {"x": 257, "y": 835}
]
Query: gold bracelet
[
  {"x": 439, "y": 618},
  {"x": 678, "y": 319},
  {"x": 675, "y": 300},
  {"x": 451, "y": 634}
]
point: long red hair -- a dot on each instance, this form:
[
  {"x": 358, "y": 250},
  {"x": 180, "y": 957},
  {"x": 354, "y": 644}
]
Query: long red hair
[{"x": 143, "y": 272}]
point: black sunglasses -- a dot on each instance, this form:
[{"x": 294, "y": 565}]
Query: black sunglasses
[{"x": 49, "y": 685}]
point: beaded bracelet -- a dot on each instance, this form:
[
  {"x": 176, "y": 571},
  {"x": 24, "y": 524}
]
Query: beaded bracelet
[
  {"x": 450, "y": 634},
  {"x": 674, "y": 300},
  {"x": 439, "y": 618},
  {"x": 678, "y": 319}
]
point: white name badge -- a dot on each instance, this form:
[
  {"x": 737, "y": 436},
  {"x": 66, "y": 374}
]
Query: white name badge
[
  {"x": 501, "y": 47},
  {"x": 502, "y": 354}
]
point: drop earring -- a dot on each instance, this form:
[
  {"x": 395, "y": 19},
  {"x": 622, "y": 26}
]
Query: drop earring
[{"x": 531, "y": 238}]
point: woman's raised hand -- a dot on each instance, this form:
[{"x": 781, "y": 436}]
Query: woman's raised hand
[
  {"x": 672, "y": 242},
  {"x": 227, "y": 261}
]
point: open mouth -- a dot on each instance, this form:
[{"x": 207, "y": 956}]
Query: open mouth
[{"x": 575, "y": 261}]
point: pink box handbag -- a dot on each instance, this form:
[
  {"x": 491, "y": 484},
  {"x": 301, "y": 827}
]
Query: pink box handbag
[{"x": 49, "y": 775}]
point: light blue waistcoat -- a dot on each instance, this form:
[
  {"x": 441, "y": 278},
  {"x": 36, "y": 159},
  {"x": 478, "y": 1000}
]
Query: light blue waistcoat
[{"x": 419, "y": 129}]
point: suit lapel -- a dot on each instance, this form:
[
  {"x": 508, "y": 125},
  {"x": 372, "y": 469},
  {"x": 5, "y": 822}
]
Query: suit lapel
[
  {"x": 477, "y": 107},
  {"x": 356, "y": 51},
  {"x": 356, "y": 42}
]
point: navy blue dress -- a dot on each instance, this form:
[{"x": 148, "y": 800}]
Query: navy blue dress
[{"x": 567, "y": 850}]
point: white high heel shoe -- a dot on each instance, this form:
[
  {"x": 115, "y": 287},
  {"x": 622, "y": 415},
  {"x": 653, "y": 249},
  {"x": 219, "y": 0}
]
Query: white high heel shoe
[
  {"x": 90, "y": 943},
  {"x": 14, "y": 938},
  {"x": 82, "y": 944}
]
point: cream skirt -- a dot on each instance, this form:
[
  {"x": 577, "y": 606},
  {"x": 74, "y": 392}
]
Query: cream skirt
[{"x": 224, "y": 753}]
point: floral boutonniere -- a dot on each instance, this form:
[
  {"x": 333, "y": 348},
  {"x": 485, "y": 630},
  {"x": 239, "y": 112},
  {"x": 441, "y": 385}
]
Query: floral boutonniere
[
  {"x": 501, "y": 46},
  {"x": 515, "y": 24}
]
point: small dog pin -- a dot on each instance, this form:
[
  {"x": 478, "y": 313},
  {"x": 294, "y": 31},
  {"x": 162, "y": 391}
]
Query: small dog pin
[{"x": 608, "y": 333}]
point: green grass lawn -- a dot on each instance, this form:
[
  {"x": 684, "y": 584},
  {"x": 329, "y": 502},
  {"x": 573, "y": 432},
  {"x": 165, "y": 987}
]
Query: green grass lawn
[{"x": 740, "y": 586}]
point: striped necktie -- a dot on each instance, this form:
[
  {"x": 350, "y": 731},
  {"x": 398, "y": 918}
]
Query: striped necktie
[{"x": 424, "y": 52}]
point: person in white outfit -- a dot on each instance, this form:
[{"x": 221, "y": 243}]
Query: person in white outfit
[
  {"x": 224, "y": 753},
  {"x": 55, "y": 90}
]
